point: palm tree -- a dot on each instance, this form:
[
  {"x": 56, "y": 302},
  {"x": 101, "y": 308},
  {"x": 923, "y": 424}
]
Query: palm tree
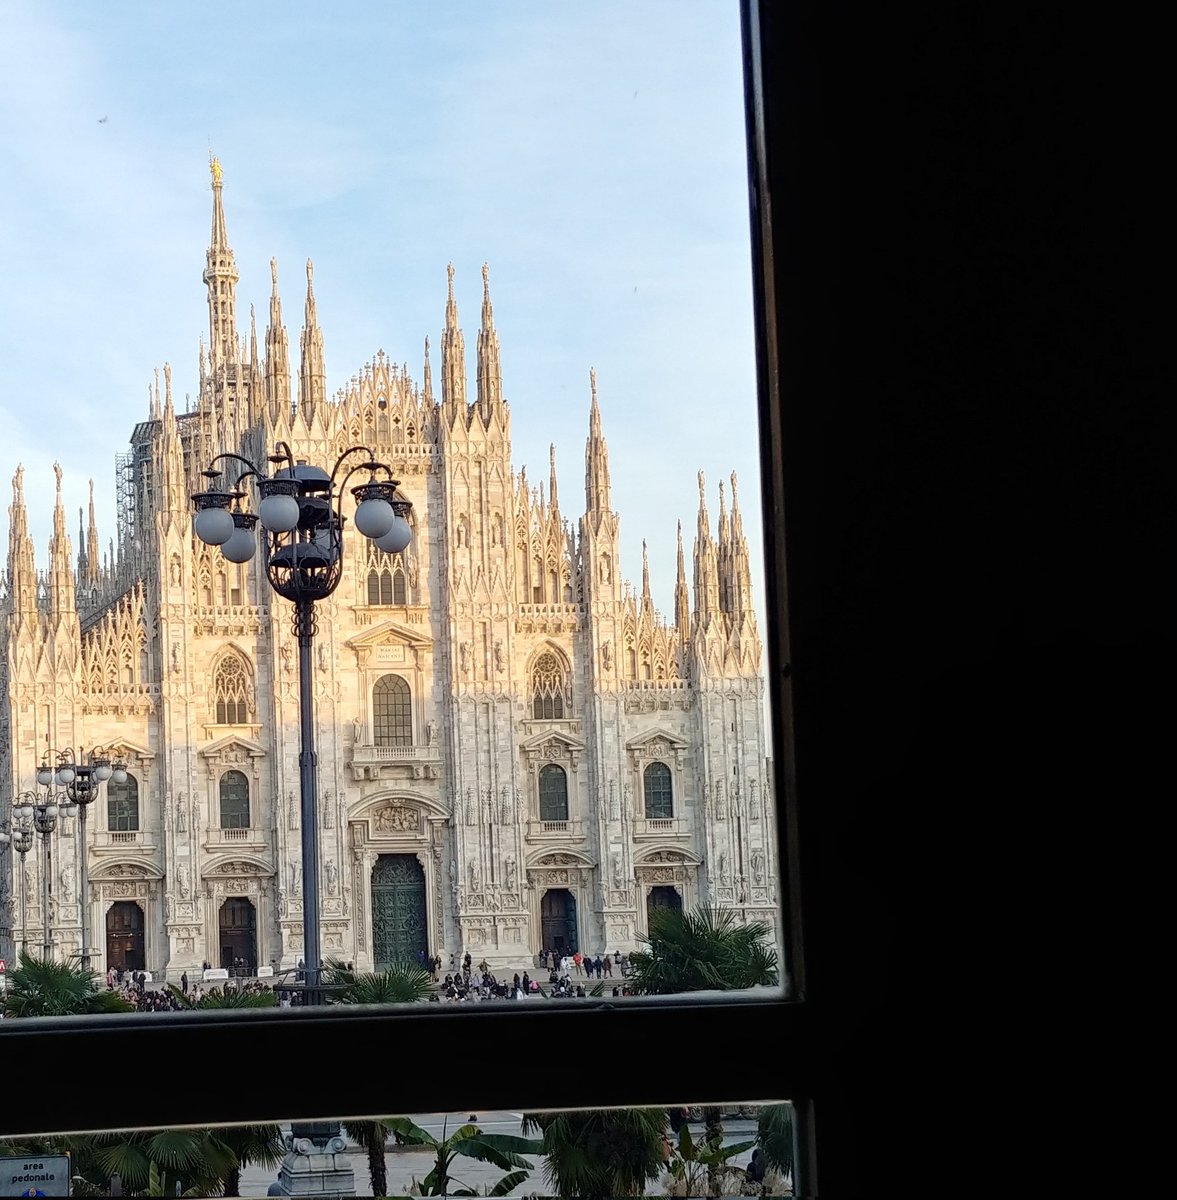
[
  {"x": 602, "y": 1153},
  {"x": 372, "y": 1135},
  {"x": 774, "y": 1136},
  {"x": 228, "y": 998},
  {"x": 261, "y": 1144},
  {"x": 502, "y": 1149},
  {"x": 702, "y": 949},
  {"x": 397, "y": 984},
  {"x": 152, "y": 1164},
  {"x": 696, "y": 1166},
  {"x": 42, "y": 988}
]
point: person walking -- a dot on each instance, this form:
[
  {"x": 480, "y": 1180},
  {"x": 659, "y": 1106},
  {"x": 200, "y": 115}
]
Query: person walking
[
  {"x": 184, "y": 983},
  {"x": 578, "y": 959}
]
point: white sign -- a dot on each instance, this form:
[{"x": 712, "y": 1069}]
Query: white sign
[
  {"x": 265, "y": 972},
  {"x": 390, "y": 654},
  {"x": 35, "y": 1175},
  {"x": 215, "y": 973}
]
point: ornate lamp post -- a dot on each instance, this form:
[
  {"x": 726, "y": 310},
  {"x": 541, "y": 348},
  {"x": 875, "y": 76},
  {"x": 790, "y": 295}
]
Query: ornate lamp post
[
  {"x": 21, "y": 838},
  {"x": 300, "y": 511},
  {"x": 81, "y": 778},
  {"x": 44, "y": 814}
]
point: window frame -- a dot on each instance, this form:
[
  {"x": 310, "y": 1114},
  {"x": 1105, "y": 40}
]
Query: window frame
[
  {"x": 407, "y": 735},
  {"x": 544, "y": 770},
  {"x": 788, "y": 1027},
  {"x": 110, "y": 826},
  {"x": 668, "y": 816},
  {"x": 221, "y": 800}
]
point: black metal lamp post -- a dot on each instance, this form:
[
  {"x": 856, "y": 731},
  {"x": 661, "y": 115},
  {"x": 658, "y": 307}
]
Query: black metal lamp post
[
  {"x": 44, "y": 814},
  {"x": 21, "y": 839},
  {"x": 300, "y": 511},
  {"x": 81, "y": 778}
]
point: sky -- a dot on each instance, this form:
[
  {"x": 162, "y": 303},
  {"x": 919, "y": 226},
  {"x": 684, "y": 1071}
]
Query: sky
[{"x": 592, "y": 155}]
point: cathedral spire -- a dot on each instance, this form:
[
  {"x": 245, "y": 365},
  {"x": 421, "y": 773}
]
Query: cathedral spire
[
  {"x": 277, "y": 353},
  {"x": 740, "y": 568},
  {"x": 220, "y": 277},
  {"x": 682, "y": 599},
  {"x": 61, "y": 573},
  {"x": 92, "y": 551},
  {"x": 490, "y": 375},
  {"x": 647, "y": 599},
  {"x": 552, "y": 477},
  {"x": 453, "y": 358},
  {"x": 312, "y": 383},
  {"x": 706, "y": 569},
  {"x": 22, "y": 571},
  {"x": 596, "y": 459},
  {"x": 724, "y": 554},
  {"x": 428, "y": 383}
]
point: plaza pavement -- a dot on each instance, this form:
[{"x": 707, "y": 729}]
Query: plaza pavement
[{"x": 406, "y": 1163}]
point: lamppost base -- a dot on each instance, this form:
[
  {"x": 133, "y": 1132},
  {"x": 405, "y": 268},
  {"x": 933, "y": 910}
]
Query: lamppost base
[{"x": 315, "y": 1164}]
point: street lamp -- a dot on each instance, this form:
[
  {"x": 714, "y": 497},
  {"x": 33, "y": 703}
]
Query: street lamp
[
  {"x": 44, "y": 814},
  {"x": 300, "y": 511},
  {"x": 81, "y": 778},
  {"x": 21, "y": 838}
]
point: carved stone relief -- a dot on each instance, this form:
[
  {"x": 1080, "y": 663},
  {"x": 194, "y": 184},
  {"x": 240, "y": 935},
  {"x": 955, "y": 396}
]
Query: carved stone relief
[{"x": 396, "y": 818}]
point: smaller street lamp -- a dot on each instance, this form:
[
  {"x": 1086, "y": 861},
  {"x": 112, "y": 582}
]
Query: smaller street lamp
[
  {"x": 81, "y": 777},
  {"x": 44, "y": 814},
  {"x": 21, "y": 839}
]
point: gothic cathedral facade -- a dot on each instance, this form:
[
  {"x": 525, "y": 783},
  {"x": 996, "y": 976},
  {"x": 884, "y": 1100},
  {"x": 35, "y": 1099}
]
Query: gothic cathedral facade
[{"x": 515, "y": 751}]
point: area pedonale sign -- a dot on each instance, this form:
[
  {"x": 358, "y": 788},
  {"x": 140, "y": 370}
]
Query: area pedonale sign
[{"x": 35, "y": 1175}]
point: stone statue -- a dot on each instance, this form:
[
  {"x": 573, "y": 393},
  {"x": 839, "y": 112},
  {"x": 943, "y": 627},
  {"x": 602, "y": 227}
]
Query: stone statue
[
  {"x": 296, "y": 879},
  {"x": 508, "y": 813},
  {"x": 466, "y": 650},
  {"x": 500, "y": 657},
  {"x": 175, "y": 658},
  {"x": 475, "y": 878},
  {"x": 184, "y": 876},
  {"x": 181, "y": 814},
  {"x": 461, "y": 533},
  {"x": 175, "y": 570},
  {"x": 332, "y": 872},
  {"x": 292, "y": 810},
  {"x": 286, "y": 658},
  {"x": 618, "y": 877},
  {"x": 282, "y": 908},
  {"x": 720, "y": 813},
  {"x": 510, "y": 873},
  {"x": 607, "y": 656},
  {"x": 167, "y": 906},
  {"x": 324, "y": 662},
  {"x": 357, "y": 731},
  {"x": 614, "y": 810},
  {"x": 754, "y": 799},
  {"x": 757, "y": 866},
  {"x": 431, "y": 733},
  {"x": 725, "y": 876},
  {"x": 453, "y": 877},
  {"x": 469, "y": 806},
  {"x": 195, "y": 814},
  {"x": 67, "y": 885}
]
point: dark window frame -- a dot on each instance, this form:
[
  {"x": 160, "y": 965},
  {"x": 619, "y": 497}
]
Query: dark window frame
[
  {"x": 549, "y": 771},
  {"x": 116, "y": 823},
  {"x": 392, "y": 712},
  {"x": 221, "y": 798},
  {"x": 665, "y": 792},
  {"x": 317, "y": 1040}
]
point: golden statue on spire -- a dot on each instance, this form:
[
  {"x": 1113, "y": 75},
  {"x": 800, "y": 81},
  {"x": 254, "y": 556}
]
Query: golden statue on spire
[{"x": 214, "y": 165}]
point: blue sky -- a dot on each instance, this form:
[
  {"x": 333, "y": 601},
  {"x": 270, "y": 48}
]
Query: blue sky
[{"x": 593, "y": 155}]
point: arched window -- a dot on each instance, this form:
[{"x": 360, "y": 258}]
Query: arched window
[
  {"x": 233, "y": 691},
  {"x": 234, "y": 801},
  {"x": 398, "y": 587},
  {"x": 549, "y": 689},
  {"x": 380, "y": 586},
  {"x": 122, "y": 806},
  {"x": 659, "y": 792},
  {"x": 553, "y": 793},
  {"x": 392, "y": 717}
]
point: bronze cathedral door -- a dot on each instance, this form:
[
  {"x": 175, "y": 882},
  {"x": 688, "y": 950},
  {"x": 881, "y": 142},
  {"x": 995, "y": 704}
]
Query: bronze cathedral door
[{"x": 399, "y": 930}]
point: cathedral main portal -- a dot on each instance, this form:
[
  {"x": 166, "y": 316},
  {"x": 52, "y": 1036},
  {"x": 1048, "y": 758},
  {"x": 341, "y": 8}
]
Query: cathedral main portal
[
  {"x": 558, "y": 914},
  {"x": 399, "y": 920},
  {"x": 124, "y": 936}
]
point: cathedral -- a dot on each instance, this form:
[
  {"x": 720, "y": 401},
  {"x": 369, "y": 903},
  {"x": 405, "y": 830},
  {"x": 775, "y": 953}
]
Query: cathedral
[{"x": 516, "y": 752}]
